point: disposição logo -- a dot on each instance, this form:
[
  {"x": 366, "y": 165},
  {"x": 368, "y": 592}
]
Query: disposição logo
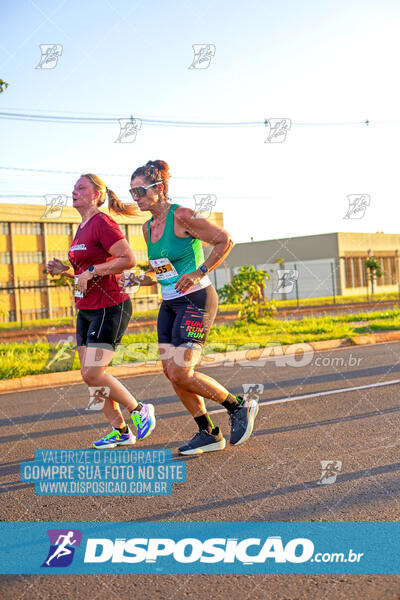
[{"x": 62, "y": 547}]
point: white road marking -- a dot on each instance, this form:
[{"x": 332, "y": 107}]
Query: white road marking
[{"x": 316, "y": 394}]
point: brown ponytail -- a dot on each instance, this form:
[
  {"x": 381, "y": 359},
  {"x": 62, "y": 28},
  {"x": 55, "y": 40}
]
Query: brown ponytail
[
  {"x": 114, "y": 203},
  {"x": 155, "y": 170}
]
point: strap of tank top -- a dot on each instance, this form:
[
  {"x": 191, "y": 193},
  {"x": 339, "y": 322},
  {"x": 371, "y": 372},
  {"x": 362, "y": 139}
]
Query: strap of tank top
[
  {"x": 149, "y": 232},
  {"x": 169, "y": 221}
]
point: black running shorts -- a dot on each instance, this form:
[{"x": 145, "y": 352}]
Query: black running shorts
[
  {"x": 103, "y": 326},
  {"x": 188, "y": 318}
]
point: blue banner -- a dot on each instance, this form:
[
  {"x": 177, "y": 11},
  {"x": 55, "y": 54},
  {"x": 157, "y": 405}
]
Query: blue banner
[{"x": 219, "y": 548}]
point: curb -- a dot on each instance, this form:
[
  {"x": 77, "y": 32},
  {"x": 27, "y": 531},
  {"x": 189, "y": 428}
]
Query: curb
[
  {"x": 218, "y": 359},
  {"x": 32, "y": 382},
  {"x": 376, "y": 338}
]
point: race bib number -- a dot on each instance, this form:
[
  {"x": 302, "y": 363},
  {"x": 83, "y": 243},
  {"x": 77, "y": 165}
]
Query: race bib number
[
  {"x": 163, "y": 269},
  {"x": 77, "y": 293}
]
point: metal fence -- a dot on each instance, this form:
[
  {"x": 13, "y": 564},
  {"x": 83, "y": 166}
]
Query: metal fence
[
  {"x": 291, "y": 280},
  {"x": 21, "y": 313}
]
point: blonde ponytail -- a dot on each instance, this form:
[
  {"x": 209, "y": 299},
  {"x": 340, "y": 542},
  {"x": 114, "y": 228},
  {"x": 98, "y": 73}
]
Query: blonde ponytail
[
  {"x": 114, "y": 203},
  {"x": 119, "y": 207}
]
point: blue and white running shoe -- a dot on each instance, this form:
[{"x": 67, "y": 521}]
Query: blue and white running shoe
[
  {"x": 144, "y": 421},
  {"x": 242, "y": 421},
  {"x": 114, "y": 439}
]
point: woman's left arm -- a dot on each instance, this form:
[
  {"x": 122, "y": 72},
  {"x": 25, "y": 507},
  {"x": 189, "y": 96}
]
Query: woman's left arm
[{"x": 206, "y": 232}]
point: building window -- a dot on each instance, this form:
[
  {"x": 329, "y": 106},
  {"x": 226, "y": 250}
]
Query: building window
[
  {"x": 5, "y": 287},
  {"x": 36, "y": 313},
  {"x": 4, "y": 228},
  {"x": 31, "y": 286},
  {"x": 27, "y": 258},
  {"x": 5, "y": 258},
  {"x": 60, "y": 254},
  {"x": 124, "y": 228},
  {"x": 364, "y": 272},
  {"x": 349, "y": 273},
  {"x": 357, "y": 274},
  {"x": 28, "y": 228},
  {"x": 135, "y": 230},
  {"x": 389, "y": 270},
  {"x": 59, "y": 228},
  {"x": 141, "y": 257},
  {"x": 62, "y": 311}
]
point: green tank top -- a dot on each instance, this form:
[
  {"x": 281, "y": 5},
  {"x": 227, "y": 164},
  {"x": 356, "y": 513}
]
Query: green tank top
[{"x": 172, "y": 256}]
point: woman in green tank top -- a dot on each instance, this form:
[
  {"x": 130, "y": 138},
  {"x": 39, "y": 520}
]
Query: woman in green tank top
[{"x": 174, "y": 237}]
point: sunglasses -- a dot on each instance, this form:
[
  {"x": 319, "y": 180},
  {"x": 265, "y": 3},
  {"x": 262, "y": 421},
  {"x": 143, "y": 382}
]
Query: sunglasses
[{"x": 141, "y": 190}]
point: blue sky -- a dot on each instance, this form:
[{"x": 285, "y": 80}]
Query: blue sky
[{"x": 310, "y": 62}]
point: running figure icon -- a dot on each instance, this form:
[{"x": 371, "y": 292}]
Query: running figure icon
[{"x": 62, "y": 549}]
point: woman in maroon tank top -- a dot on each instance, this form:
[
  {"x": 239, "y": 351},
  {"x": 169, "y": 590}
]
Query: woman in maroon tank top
[{"x": 98, "y": 253}]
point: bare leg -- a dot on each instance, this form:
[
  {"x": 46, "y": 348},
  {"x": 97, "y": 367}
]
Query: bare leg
[
  {"x": 181, "y": 372},
  {"x": 193, "y": 402},
  {"x": 95, "y": 376},
  {"x": 204, "y": 386},
  {"x": 113, "y": 414}
]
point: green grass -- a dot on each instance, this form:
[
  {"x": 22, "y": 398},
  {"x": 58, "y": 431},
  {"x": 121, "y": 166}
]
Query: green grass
[
  {"x": 18, "y": 360},
  {"x": 61, "y": 322},
  {"x": 339, "y": 300},
  {"x": 223, "y": 308}
]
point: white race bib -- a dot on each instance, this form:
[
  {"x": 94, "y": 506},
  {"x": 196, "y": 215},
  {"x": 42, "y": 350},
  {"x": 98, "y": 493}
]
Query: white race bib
[
  {"x": 77, "y": 293},
  {"x": 163, "y": 269}
]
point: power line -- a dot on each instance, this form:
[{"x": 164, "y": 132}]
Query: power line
[
  {"x": 125, "y": 175},
  {"x": 112, "y": 120},
  {"x": 79, "y": 120}
]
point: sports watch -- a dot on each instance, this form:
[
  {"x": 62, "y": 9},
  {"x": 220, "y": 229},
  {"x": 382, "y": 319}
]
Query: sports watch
[
  {"x": 203, "y": 269},
  {"x": 91, "y": 269}
]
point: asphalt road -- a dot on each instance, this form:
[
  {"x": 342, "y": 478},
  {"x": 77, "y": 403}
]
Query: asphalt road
[{"x": 272, "y": 477}]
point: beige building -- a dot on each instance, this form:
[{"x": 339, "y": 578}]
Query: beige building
[
  {"x": 29, "y": 239},
  {"x": 327, "y": 264}
]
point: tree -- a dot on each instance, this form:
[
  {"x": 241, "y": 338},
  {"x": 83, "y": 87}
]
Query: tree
[
  {"x": 3, "y": 85},
  {"x": 247, "y": 289},
  {"x": 374, "y": 270}
]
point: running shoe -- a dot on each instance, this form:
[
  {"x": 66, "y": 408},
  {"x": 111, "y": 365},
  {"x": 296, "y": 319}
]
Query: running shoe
[
  {"x": 114, "y": 439},
  {"x": 204, "y": 442},
  {"x": 242, "y": 421},
  {"x": 144, "y": 421}
]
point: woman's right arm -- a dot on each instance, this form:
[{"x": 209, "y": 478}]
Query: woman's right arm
[{"x": 146, "y": 278}]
